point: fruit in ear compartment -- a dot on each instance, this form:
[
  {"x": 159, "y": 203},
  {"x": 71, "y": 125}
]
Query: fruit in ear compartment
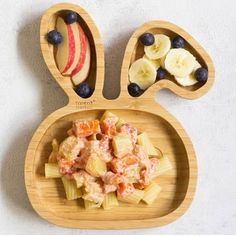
[
  {"x": 147, "y": 39},
  {"x": 143, "y": 73},
  {"x": 161, "y": 73},
  {"x": 70, "y": 17},
  {"x": 54, "y": 37},
  {"x": 83, "y": 90},
  {"x": 178, "y": 42},
  {"x": 73, "y": 55},
  {"x": 77, "y": 50},
  {"x": 201, "y": 75},
  {"x": 134, "y": 90},
  {"x": 65, "y": 51},
  {"x": 159, "y": 48},
  {"x": 179, "y": 62},
  {"x": 155, "y": 63},
  {"x": 189, "y": 79},
  {"x": 81, "y": 71}
]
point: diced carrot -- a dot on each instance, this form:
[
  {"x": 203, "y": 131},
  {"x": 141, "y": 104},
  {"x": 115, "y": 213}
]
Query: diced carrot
[
  {"x": 118, "y": 165},
  {"x": 144, "y": 179},
  {"x": 125, "y": 189},
  {"x": 129, "y": 160},
  {"x": 108, "y": 126},
  {"x": 139, "y": 185},
  {"x": 85, "y": 128}
]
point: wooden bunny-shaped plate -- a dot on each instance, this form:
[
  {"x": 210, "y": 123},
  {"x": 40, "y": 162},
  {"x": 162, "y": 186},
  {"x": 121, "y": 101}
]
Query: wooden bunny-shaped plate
[{"x": 47, "y": 195}]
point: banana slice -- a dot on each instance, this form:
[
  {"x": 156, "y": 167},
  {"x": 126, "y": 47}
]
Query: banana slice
[
  {"x": 189, "y": 79},
  {"x": 143, "y": 73},
  {"x": 162, "y": 62},
  {"x": 179, "y": 62},
  {"x": 156, "y": 63},
  {"x": 160, "y": 47}
]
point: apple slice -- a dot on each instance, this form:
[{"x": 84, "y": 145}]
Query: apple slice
[
  {"x": 66, "y": 50},
  {"x": 83, "y": 46},
  {"x": 80, "y": 42},
  {"x": 73, "y": 55},
  {"x": 82, "y": 74}
]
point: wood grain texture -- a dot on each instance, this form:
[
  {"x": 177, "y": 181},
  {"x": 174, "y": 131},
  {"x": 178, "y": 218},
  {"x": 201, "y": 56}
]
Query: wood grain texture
[{"x": 47, "y": 195}]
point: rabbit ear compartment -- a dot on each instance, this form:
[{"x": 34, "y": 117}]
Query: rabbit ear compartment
[
  {"x": 72, "y": 49},
  {"x": 181, "y": 64}
]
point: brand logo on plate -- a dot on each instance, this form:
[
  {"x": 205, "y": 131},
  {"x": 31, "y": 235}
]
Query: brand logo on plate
[{"x": 84, "y": 105}]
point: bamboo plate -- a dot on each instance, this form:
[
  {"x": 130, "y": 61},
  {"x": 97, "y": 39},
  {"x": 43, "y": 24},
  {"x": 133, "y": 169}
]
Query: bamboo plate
[{"x": 47, "y": 195}]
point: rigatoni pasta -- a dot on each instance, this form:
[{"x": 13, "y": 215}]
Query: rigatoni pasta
[
  {"x": 144, "y": 141},
  {"x": 53, "y": 156},
  {"x": 90, "y": 205},
  {"x": 134, "y": 198},
  {"x": 107, "y": 161},
  {"x": 52, "y": 170},
  {"x": 151, "y": 192},
  {"x": 164, "y": 166},
  {"x": 110, "y": 201},
  {"x": 72, "y": 192}
]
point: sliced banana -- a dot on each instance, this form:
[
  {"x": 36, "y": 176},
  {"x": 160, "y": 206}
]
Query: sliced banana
[
  {"x": 156, "y": 63},
  {"x": 189, "y": 79},
  {"x": 160, "y": 47},
  {"x": 143, "y": 73},
  {"x": 162, "y": 62},
  {"x": 179, "y": 62}
]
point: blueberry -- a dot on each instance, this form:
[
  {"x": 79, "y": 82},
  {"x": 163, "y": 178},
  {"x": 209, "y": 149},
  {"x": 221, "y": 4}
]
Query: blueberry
[
  {"x": 134, "y": 90},
  {"x": 147, "y": 39},
  {"x": 70, "y": 17},
  {"x": 201, "y": 74},
  {"x": 54, "y": 37},
  {"x": 178, "y": 42},
  {"x": 161, "y": 73},
  {"x": 83, "y": 90}
]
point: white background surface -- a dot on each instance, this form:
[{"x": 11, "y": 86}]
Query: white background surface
[{"x": 28, "y": 94}]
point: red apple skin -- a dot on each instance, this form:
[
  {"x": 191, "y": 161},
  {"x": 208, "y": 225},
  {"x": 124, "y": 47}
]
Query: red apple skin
[
  {"x": 82, "y": 75},
  {"x": 77, "y": 49},
  {"x": 75, "y": 55},
  {"x": 71, "y": 41},
  {"x": 82, "y": 52},
  {"x": 65, "y": 50},
  {"x": 86, "y": 77}
]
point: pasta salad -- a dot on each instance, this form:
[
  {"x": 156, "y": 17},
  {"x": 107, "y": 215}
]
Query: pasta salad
[{"x": 106, "y": 161}]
